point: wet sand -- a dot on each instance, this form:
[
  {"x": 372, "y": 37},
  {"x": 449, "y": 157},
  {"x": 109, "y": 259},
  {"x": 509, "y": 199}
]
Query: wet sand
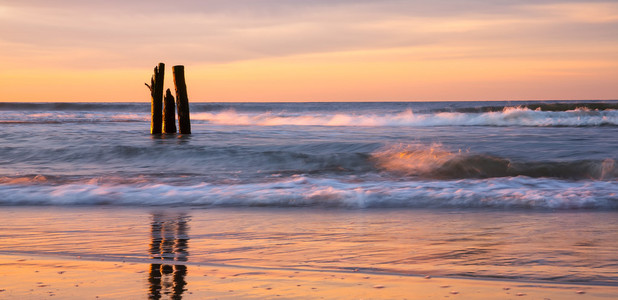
[
  {"x": 38, "y": 277},
  {"x": 136, "y": 253}
]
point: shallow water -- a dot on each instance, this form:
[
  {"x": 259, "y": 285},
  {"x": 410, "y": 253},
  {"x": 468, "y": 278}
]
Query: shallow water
[
  {"x": 355, "y": 155},
  {"x": 489, "y": 190},
  {"x": 568, "y": 247}
]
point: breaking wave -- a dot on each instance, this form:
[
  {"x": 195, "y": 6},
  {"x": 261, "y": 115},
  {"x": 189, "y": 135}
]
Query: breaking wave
[
  {"x": 395, "y": 162},
  {"x": 560, "y": 106},
  {"x": 300, "y": 191},
  {"x": 60, "y": 117},
  {"x": 509, "y": 116},
  {"x": 437, "y": 162},
  {"x": 263, "y": 115}
]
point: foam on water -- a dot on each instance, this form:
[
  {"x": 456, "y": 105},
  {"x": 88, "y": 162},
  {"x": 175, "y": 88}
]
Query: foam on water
[
  {"x": 299, "y": 191},
  {"x": 483, "y": 178},
  {"x": 509, "y": 116},
  {"x": 35, "y": 117}
]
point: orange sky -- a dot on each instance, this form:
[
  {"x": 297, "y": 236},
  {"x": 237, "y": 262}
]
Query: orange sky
[{"x": 275, "y": 50}]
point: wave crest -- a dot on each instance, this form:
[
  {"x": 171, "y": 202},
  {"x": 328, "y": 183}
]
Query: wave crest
[
  {"x": 300, "y": 191},
  {"x": 435, "y": 161},
  {"x": 508, "y": 116},
  {"x": 505, "y": 116}
]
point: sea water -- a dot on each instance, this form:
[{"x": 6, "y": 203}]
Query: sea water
[{"x": 513, "y": 190}]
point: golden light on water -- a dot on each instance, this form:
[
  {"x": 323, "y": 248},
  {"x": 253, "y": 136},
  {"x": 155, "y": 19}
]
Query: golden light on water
[
  {"x": 228, "y": 253},
  {"x": 413, "y": 160}
]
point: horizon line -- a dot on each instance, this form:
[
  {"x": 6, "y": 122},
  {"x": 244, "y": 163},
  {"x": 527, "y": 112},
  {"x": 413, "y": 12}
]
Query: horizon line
[{"x": 321, "y": 101}]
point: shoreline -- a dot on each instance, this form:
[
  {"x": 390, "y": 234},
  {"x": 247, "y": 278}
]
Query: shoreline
[
  {"x": 429, "y": 275},
  {"x": 37, "y": 276}
]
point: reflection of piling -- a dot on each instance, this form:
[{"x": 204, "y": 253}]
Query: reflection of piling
[
  {"x": 154, "y": 279},
  {"x": 182, "y": 100},
  {"x": 156, "y": 103},
  {"x": 169, "y": 242},
  {"x": 155, "y": 236},
  {"x": 169, "y": 113},
  {"x": 181, "y": 242},
  {"x": 178, "y": 288}
]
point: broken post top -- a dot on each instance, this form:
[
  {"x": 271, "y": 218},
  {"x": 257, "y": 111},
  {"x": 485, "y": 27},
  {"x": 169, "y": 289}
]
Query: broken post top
[
  {"x": 158, "y": 71},
  {"x": 179, "y": 77},
  {"x": 156, "y": 93},
  {"x": 182, "y": 100},
  {"x": 169, "y": 112}
]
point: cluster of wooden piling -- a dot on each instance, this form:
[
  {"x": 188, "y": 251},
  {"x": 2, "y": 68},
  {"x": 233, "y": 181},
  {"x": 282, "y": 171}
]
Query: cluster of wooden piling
[{"x": 162, "y": 109}]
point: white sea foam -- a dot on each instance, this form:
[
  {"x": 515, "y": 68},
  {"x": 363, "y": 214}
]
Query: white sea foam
[
  {"x": 71, "y": 117},
  {"x": 510, "y": 116},
  {"x": 300, "y": 191}
]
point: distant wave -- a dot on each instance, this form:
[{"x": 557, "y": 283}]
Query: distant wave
[
  {"x": 459, "y": 106},
  {"x": 262, "y": 114},
  {"x": 509, "y": 116},
  {"x": 301, "y": 191},
  {"x": 555, "y": 107},
  {"x": 60, "y": 117},
  {"x": 75, "y": 106}
]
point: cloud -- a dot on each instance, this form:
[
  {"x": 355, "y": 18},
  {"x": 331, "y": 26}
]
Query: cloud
[
  {"x": 578, "y": 12},
  {"x": 103, "y": 34}
]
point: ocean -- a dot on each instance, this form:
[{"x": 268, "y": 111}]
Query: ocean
[{"x": 522, "y": 191}]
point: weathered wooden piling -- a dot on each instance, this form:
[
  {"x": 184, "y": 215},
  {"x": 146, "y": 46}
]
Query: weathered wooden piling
[
  {"x": 156, "y": 93},
  {"x": 182, "y": 101},
  {"x": 169, "y": 113}
]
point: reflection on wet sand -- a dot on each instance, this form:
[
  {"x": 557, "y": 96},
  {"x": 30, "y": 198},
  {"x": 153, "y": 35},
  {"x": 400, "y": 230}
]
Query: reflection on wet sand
[{"x": 169, "y": 242}]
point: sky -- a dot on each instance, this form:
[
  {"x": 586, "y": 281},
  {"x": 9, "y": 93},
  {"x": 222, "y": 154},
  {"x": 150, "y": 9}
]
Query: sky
[{"x": 314, "y": 50}]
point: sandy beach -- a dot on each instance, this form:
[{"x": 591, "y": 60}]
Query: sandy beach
[{"x": 78, "y": 278}]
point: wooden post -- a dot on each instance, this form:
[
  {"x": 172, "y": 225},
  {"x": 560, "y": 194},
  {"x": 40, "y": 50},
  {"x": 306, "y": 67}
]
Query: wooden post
[
  {"x": 156, "y": 103},
  {"x": 182, "y": 101},
  {"x": 169, "y": 113}
]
